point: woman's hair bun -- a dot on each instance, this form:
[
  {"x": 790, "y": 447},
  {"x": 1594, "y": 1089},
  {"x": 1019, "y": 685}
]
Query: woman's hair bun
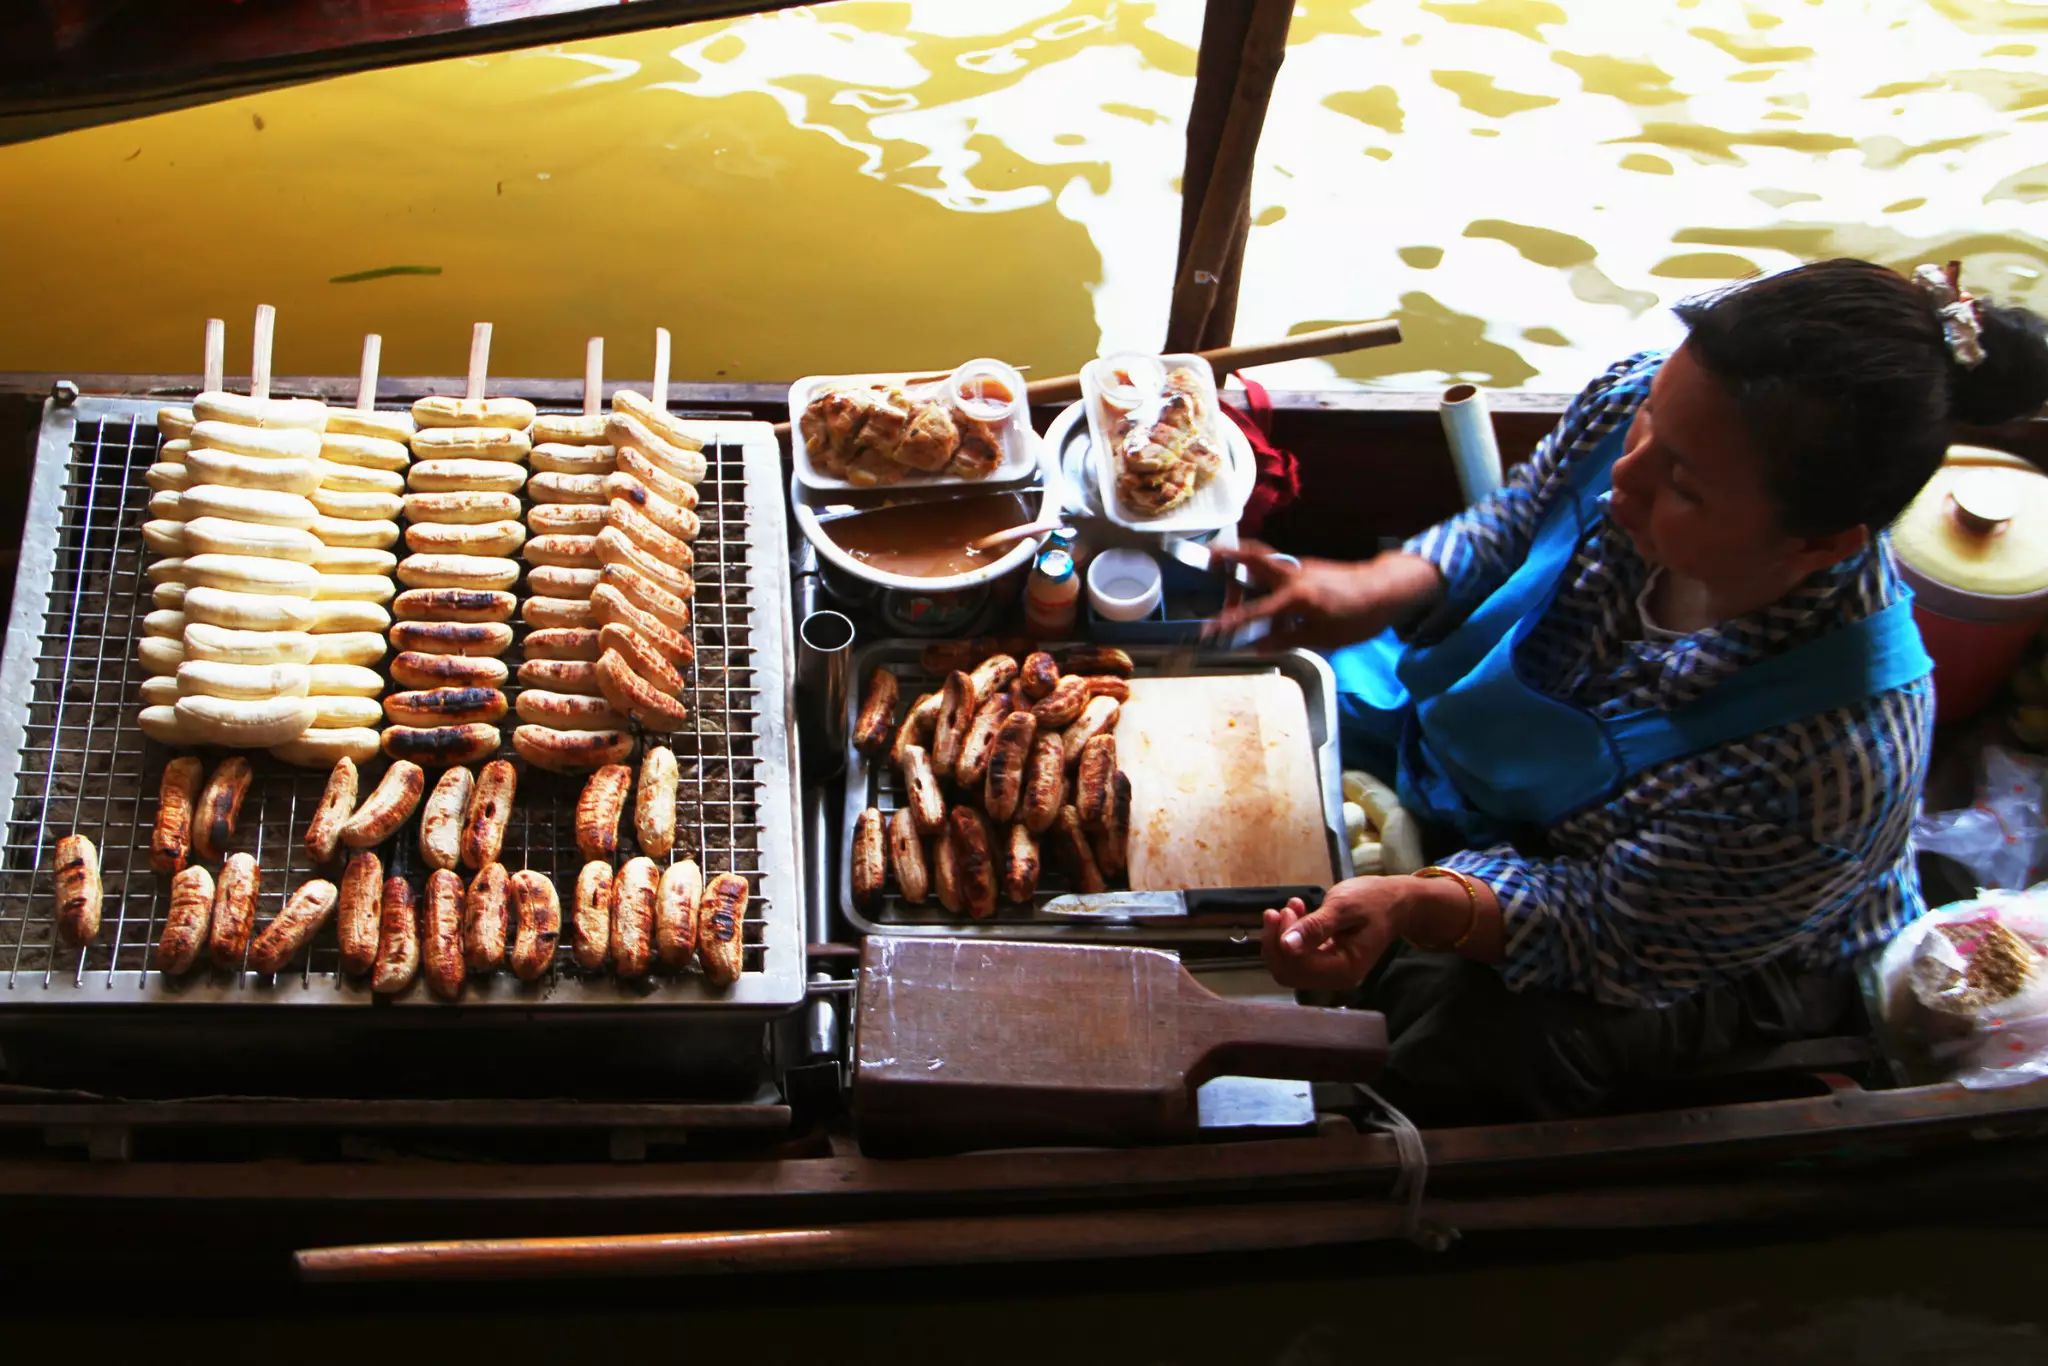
[{"x": 2012, "y": 381}]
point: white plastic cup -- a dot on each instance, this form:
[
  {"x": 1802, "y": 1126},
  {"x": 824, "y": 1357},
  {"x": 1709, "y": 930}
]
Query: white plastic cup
[{"x": 987, "y": 390}]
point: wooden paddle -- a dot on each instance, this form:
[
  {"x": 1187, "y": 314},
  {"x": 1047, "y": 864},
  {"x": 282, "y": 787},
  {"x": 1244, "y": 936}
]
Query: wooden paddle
[{"x": 976, "y": 1044}]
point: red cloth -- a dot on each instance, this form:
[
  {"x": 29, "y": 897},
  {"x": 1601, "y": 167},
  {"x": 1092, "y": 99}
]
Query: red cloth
[{"x": 1279, "y": 480}]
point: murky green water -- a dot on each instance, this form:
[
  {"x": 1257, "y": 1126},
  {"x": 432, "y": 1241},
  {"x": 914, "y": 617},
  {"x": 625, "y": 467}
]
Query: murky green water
[{"x": 1525, "y": 184}]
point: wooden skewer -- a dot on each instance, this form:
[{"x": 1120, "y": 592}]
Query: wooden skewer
[
  {"x": 215, "y": 363},
  {"x": 659, "y": 394},
  {"x": 366, "y": 387},
  {"x": 479, "y": 359},
  {"x": 1014, "y": 533},
  {"x": 259, "y": 360},
  {"x": 593, "y": 377}
]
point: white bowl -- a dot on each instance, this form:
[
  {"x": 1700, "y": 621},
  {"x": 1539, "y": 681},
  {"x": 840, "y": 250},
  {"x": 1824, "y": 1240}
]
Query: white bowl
[
  {"x": 1124, "y": 584},
  {"x": 819, "y": 534}
]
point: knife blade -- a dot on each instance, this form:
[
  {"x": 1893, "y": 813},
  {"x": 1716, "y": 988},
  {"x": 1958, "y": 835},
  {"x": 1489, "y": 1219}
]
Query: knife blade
[{"x": 1233, "y": 906}]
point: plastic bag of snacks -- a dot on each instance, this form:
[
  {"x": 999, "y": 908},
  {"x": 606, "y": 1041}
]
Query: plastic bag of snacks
[{"x": 1965, "y": 988}]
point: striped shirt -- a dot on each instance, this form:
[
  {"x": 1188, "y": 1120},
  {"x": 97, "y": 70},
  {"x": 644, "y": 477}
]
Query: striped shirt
[{"x": 1789, "y": 843}]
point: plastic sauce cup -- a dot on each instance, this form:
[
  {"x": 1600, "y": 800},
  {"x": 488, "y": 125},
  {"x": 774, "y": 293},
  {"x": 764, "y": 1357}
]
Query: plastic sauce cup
[{"x": 987, "y": 390}]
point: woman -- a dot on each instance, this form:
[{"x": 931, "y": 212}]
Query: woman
[{"x": 1666, "y": 688}]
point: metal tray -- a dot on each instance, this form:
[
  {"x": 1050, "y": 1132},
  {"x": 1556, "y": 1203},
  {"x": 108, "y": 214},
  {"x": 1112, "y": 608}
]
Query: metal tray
[
  {"x": 71, "y": 758},
  {"x": 876, "y": 784}
]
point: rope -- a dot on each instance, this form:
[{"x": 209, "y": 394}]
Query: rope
[{"x": 1427, "y": 1234}]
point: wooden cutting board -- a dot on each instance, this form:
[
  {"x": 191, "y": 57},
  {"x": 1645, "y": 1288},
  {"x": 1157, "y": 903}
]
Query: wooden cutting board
[{"x": 1224, "y": 789}]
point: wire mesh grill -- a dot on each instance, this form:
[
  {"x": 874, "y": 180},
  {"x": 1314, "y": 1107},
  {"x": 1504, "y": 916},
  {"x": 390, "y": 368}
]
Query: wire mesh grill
[{"x": 85, "y": 767}]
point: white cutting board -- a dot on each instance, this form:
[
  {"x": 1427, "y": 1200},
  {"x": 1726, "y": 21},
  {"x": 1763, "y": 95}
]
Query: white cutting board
[{"x": 1224, "y": 789}]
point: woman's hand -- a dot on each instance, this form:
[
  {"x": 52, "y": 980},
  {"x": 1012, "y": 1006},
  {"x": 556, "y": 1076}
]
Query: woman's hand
[
  {"x": 1335, "y": 947},
  {"x": 1324, "y": 604}
]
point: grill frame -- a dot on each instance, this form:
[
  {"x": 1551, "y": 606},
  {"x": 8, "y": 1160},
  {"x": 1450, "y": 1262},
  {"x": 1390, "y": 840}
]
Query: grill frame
[{"x": 81, "y": 546}]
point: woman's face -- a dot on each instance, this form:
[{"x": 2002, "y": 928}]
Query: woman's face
[{"x": 1689, "y": 490}]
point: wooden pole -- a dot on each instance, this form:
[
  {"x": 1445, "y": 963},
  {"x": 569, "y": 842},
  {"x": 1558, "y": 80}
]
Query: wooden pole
[{"x": 1223, "y": 216}]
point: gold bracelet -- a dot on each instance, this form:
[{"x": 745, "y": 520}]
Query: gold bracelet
[{"x": 1472, "y": 909}]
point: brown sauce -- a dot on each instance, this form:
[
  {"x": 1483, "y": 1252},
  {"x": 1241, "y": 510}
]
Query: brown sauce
[{"x": 929, "y": 540}]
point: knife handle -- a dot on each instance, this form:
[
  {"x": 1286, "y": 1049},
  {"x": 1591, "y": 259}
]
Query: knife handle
[{"x": 1249, "y": 900}]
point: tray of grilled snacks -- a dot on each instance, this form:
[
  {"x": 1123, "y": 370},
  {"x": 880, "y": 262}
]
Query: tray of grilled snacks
[
  {"x": 983, "y": 788},
  {"x": 971, "y": 425},
  {"x": 256, "y": 751},
  {"x": 1165, "y": 459}
]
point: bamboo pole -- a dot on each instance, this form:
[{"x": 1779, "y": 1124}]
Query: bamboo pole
[
  {"x": 1225, "y": 25},
  {"x": 1198, "y": 284}
]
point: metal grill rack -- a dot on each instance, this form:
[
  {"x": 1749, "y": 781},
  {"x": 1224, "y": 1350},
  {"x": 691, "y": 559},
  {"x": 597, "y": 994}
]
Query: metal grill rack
[
  {"x": 876, "y": 783},
  {"x": 72, "y": 759}
]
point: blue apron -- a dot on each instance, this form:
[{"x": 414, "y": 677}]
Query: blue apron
[{"x": 1473, "y": 746}]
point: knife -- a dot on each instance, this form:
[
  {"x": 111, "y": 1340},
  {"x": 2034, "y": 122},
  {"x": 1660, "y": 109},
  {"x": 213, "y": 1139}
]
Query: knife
[{"x": 1237, "y": 907}]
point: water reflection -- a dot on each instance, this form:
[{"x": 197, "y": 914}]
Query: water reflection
[{"x": 1525, "y": 184}]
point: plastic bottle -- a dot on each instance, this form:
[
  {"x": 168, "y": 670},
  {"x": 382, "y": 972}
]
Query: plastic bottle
[{"x": 1053, "y": 594}]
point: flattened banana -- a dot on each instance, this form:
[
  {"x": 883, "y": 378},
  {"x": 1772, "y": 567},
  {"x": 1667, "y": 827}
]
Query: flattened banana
[
  {"x": 348, "y": 647},
  {"x": 164, "y": 536},
  {"x": 465, "y": 507},
  {"x": 470, "y": 443},
  {"x": 357, "y": 478},
  {"x": 290, "y": 474},
  {"x": 234, "y": 645},
  {"x": 561, "y": 458},
  {"x": 351, "y": 505},
  {"x": 566, "y": 488},
  {"x": 565, "y": 519},
  {"x": 388, "y": 426},
  {"x": 369, "y": 452},
  {"x": 222, "y": 536},
  {"x": 466, "y": 476},
  {"x": 166, "y": 475},
  {"x": 160, "y": 654},
  {"x": 331, "y": 615},
  {"x": 472, "y": 538},
  {"x": 454, "y": 604},
  {"x": 217, "y": 405},
  {"x": 353, "y": 587},
  {"x": 251, "y": 574},
  {"x": 567, "y": 429},
  {"x": 340, "y": 711},
  {"x": 246, "y": 611},
  {"x": 273, "y": 443},
  {"x": 242, "y": 724},
  {"x": 457, "y": 571},
  {"x": 347, "y": 531},
  {"x": 247, "y": 505},
  {"x": 352, "y": 559},
  {"x": 318, "y": 748},
  {"x": 449, "y": 411},
  {"x": 251, "y": 682},
  {"x": 338, "y": 680}
]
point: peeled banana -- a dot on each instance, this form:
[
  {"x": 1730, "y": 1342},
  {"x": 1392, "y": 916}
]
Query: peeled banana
[{"x": 243, "y": 724}]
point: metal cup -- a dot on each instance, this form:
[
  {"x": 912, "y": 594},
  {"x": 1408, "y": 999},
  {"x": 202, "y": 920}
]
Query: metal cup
[{"x": 824, "y": 672}]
